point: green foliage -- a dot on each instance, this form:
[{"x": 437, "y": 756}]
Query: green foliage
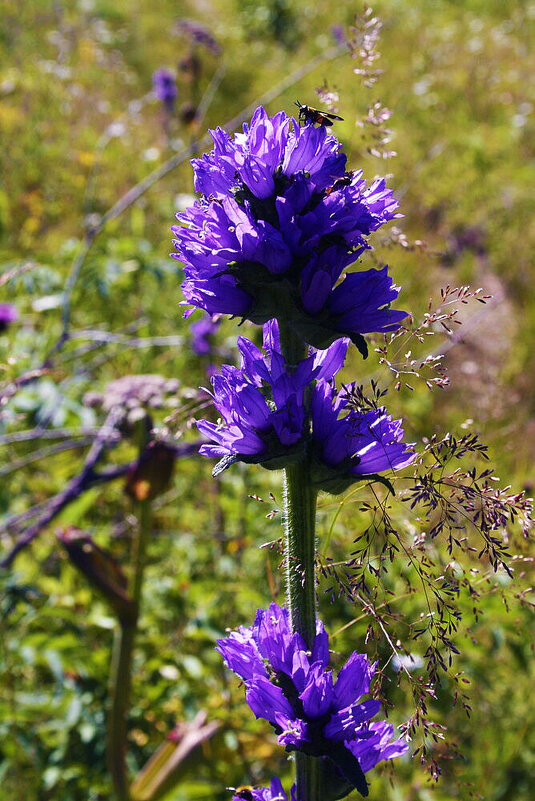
[{"x": 79, "y": 130}]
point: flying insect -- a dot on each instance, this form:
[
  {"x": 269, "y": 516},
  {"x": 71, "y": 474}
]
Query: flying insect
[{"x": 316, "y": 117}]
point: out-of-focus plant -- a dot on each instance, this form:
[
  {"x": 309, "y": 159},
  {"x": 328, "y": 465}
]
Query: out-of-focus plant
[{"x": 126, "y": 404}]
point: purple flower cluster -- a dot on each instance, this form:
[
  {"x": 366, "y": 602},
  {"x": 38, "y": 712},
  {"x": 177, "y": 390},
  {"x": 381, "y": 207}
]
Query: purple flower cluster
[
  {"x": 295, "y": 691},
  {"x": 164, "y": 85},
  {"x": 357, "y": 444},
  {"x": 275, "y": 429},
  {"x": 278, "y": 223},
  {"x": 256, "y": 429},
  {"x": 8, "y": 314}
]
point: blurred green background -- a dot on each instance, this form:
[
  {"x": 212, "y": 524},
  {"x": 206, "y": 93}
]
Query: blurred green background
[{"x": 80, "y": 127}]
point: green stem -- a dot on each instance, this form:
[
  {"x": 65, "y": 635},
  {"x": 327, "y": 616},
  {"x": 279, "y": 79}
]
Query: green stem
[
  {"x": 292, "y": 347},
  {"x": 300, "y": 510},
  {"x": 144, "y": 519},
  {"x": 121, "y": 668},
  {"x": 300, "y": 513},
  {"x": 300, "y": 516},
  {"x": 123, "y": 647}
]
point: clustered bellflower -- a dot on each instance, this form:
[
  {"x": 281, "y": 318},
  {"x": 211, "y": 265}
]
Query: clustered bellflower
[
  {"x": 260, "y": 429},
  {"x": 295, "y": 691},
  {"x": 278, "y": 222},
  {"x": 274, "y": 429}
]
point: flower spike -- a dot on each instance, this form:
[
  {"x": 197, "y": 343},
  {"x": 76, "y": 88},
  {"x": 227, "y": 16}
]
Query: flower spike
[{"x": 311, "y": 711}]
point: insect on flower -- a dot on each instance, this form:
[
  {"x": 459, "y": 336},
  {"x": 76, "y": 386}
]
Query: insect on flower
[
  {"x": 245, "y": 792},
  {"x": 316, "y": 117},
  {"x": 248, "y": 793}
]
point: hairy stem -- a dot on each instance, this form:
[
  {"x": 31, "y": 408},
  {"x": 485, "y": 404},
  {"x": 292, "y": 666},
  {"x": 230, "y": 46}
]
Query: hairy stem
[
  {"x": 300, "y": 513},
  {"x": 300, "y": 546}
]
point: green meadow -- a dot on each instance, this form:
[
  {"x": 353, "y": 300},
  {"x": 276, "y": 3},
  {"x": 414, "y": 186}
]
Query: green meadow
[{"x": 92, "y": 171}]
